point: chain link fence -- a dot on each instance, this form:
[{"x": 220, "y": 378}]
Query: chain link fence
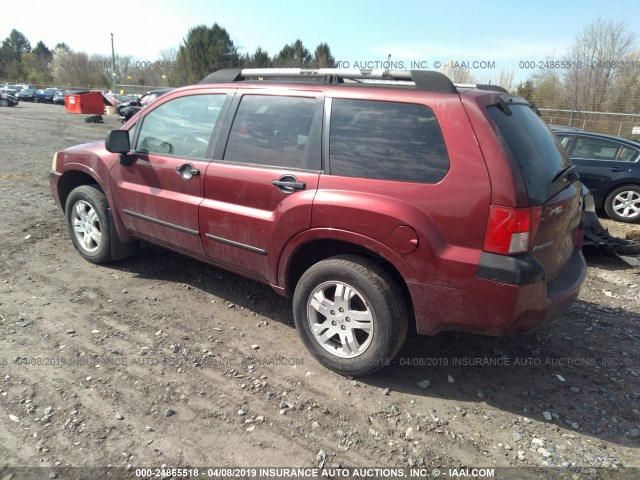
[{"x": 624, "y": 125}]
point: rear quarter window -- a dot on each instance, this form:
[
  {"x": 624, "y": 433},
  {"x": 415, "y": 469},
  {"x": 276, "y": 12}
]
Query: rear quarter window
[
  {"x": 386, "y": 141},
  {"x": 536, "y": 150}
]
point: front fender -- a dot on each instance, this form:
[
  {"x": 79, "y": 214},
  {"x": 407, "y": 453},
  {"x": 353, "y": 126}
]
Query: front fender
[{"x": 94, "y": 166}]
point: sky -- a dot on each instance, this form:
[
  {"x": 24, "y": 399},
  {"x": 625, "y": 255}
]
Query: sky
[{"x": 499, "y": 34}]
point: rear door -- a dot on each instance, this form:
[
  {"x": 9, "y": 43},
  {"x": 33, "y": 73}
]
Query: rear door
[
  {"x": 260, "y": 187},
  {"x": 160, "y": 192}
]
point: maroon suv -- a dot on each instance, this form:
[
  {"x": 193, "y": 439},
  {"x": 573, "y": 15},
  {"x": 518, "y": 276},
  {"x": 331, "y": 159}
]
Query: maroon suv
[{"x": 374, "y": 199}]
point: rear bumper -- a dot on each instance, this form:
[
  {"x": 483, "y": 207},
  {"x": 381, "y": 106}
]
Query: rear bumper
[{"x": 509, "y": 296}]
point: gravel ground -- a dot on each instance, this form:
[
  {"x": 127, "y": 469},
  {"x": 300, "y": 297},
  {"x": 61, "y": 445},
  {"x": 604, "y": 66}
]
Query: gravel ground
[{"x": 162, "y": 360}]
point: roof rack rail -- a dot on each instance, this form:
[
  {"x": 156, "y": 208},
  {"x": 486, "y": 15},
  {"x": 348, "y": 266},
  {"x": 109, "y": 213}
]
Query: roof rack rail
[
  {"x": 423, "y": 79},
  {"x": 482, "y": 86}
]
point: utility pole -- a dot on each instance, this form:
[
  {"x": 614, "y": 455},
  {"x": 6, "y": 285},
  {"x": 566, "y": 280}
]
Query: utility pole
[
  {"x": 574, "y": 104},
  {"x": 113, "y": 65}
]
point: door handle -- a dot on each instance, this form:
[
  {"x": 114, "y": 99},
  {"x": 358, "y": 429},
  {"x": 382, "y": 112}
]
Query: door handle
[
  {"x": 288, "y": 184},
  {"x": 617, "y": 169},
  {"x": 187, "y": 171}
]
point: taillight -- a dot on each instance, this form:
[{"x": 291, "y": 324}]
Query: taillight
[{"x": 511, "y": 230}]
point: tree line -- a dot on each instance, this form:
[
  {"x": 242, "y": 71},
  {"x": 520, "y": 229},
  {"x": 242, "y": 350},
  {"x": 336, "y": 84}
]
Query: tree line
[
  {"x": 600, "y": 72},
  {"x": 203, "y": 50}
]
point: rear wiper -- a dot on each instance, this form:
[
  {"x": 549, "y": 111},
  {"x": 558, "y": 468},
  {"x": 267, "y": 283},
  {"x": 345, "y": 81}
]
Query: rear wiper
[
  {"x": 502, "y": 105},
  {"x": 568, "y": 174}
]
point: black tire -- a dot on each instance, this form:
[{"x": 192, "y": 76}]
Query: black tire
[
  {"x": 375, "y": 295},
  {"x": 623, "y": 204},
  {"x": 93, "y": 119},
  {"x": 4, "y": 102},
  {"x": 87, "y": 207}
]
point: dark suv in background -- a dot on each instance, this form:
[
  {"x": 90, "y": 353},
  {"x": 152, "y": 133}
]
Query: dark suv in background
[{"x": 373, "y": 199}]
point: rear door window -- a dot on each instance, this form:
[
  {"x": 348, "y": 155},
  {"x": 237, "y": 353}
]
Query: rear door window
[
  {"x": 270, "y": 131},
  {"x": 588, "y": 148},
  {"x": 386, "y": 141},
  {"x": 536, "y": 150}
]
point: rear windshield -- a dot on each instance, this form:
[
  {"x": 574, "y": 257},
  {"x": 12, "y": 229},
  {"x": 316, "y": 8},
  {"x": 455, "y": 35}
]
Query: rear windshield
[{"x": 535, "y": 149}]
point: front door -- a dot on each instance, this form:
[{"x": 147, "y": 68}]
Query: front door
[{"x": 161, "y": 191}]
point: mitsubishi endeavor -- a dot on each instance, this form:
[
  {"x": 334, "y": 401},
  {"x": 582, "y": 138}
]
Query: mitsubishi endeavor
[{"x": 372, "y": 198}]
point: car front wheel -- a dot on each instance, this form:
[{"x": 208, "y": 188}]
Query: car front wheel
[
  {"x": 88, "y": 223},
  {"x": 623, "y": 204},
  {"x": 350, "y": 314}
]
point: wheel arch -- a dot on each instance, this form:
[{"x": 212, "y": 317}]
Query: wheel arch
[
  {"x": 621, "y": 183},
  {"x": 312, "y": 251},
  {"x": 72, "y": 179}
]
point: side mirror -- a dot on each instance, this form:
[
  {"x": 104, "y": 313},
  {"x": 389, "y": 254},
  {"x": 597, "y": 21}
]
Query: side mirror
[{"x": 117, "y": 141}]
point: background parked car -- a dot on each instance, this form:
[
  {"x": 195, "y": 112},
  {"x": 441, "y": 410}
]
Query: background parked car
[
  {"x": 58, "y": 98},
  {"x": 7, "y": 100},
  {"x": 128, "y": 110},
  {"x": 116, "y": 99},
  {"x": 45, "y": 95},
  {"x": 27, "y": 95},
  {"x": 11, "y": 90},
  {"x": 610, "y": 167}
]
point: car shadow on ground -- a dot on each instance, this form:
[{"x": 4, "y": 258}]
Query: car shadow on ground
[
  {"x": 159, "y": 264},
  {"x": 583, "y": 368}
]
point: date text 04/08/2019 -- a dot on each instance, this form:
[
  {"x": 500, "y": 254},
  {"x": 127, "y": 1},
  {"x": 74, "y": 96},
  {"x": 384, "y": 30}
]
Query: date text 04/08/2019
[{"x": 313, "y": 472}]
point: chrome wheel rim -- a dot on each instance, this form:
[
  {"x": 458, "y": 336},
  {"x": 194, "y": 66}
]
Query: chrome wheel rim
[
  {"x": 86, "y": 226},
  {"x": 627, "y": 204},
  {"x": 340, "y": 319}
]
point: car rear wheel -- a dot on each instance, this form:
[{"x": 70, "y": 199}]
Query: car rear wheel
[
  {"x": 350, "y": 314},
  {"x": 623, "y": 204}
]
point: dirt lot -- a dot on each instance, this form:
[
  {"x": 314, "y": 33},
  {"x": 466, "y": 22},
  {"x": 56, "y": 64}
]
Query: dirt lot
[{"x": 161, "y": 360}]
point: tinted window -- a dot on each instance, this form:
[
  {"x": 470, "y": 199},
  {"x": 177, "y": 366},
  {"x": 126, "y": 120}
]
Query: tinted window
[
  {"x": 601, "y": 149},
  {"x": 535, "y": 149},
  {"x": 181, "y": 127},
  {"x": 564, "y": 140},
  {"x": 270, "y": 130},
  {"x": 386, "y": 140}
]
